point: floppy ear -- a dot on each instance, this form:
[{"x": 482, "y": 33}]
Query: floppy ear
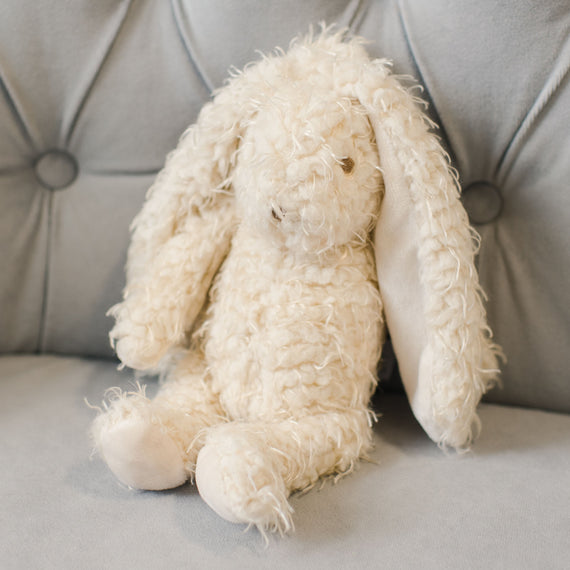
[
  {"x": 425, "y": 261},
  {"x": 196, "y": 178},
  {"x": 184, "y": 229}
]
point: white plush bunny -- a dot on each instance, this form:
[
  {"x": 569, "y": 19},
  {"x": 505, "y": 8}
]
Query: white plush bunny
[{"x": 254, "y": 286}]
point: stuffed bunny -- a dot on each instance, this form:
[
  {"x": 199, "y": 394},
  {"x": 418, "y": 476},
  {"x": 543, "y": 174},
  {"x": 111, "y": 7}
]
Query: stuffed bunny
[{"x": 307, "y": 209}]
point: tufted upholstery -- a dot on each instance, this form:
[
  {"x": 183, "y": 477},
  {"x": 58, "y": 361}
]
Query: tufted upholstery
[
  {"x": 93, "y": 95},
  {"x": 98, "y": 93}
]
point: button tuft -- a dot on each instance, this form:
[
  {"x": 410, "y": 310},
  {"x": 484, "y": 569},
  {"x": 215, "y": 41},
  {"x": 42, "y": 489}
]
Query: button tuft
[
  {"x": 56, "y": 169},
  {"x": 482, "y": 201}
]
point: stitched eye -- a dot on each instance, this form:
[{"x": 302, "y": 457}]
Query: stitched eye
[
  {"x": 347, "y": 164},
  {"x": 278, "y": 214}
]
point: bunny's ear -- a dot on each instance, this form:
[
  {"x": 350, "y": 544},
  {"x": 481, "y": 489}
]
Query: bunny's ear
[
  {"x": 196, "y": 179},
  {"x": 425, "y": 252},
  {"x": 184, "y": 229}
]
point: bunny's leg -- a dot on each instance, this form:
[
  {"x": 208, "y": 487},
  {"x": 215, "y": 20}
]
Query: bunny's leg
[
  {"x": 153, "y": 444},
  {"x": 246, "y": 471}
]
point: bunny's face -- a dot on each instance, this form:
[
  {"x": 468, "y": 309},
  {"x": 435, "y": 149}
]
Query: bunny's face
[{"x": 307, "y": 173}]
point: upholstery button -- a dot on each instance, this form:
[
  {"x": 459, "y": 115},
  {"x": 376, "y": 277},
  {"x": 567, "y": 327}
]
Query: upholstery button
[
  {"x": 56, "y": 169},
  {"x": 482, "y": 201}
]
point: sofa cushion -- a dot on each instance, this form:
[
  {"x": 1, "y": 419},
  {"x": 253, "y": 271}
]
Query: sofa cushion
[
  {"x": 93, "y": 95},
  {"x": 505, "y": 505}
]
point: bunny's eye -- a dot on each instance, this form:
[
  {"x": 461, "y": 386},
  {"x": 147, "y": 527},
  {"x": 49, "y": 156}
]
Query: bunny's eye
[
  {"x": 278, "y": 214},
  {"x": 347, "y": 164}
]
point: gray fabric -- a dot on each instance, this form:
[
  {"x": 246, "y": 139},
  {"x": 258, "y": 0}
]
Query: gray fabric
[
  {"x": 114, "y": 83},
  {"x": 503, "y": 506}
]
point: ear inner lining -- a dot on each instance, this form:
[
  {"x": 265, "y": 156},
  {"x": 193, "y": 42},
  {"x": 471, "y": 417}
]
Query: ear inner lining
[{"x": 396, "y": 247}]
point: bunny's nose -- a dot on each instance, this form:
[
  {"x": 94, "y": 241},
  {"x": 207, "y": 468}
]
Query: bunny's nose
[{"x": 278, "y": 213}]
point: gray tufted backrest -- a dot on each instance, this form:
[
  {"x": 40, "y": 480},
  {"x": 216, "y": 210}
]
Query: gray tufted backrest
[{"x": 94, "y": 94}]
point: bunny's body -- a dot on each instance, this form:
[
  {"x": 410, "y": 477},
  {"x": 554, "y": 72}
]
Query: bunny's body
[
  {"x": 290, "y": 337},
  {"x": 252, "y": 284}
]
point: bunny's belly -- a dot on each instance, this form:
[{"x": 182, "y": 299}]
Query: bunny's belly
[{"x": 286, "y": 337}]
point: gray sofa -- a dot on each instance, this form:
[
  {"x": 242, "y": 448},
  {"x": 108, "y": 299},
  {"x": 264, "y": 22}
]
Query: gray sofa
[{"x": 92, "y": 97}]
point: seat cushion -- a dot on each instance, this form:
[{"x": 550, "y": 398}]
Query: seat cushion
[{"x": 505, "y": 505}]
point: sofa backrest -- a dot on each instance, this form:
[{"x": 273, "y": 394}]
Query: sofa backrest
[{"x": 93, "y": 95}]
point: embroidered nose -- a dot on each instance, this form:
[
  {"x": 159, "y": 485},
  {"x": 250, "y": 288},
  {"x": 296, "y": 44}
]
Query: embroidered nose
[
  {"x": 278, "y": 214},
  {"x": 347, "y": 164}
]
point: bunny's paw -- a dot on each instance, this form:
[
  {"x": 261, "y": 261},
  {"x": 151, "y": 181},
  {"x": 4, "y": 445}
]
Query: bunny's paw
[
  {"x": 137, "y": 446},
  {"x": 240, "y": 479}
]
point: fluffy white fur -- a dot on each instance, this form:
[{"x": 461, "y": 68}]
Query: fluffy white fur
[{"x": 252, "y": 285}]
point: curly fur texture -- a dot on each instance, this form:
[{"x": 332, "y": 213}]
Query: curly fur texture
[{"x": 252, "y": 285}]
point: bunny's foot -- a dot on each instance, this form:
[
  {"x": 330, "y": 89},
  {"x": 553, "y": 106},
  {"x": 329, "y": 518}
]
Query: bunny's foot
[
  {"x": 153, "y": 444},
  {"x": 240, "y": 477},
  {"x": 246, "y": 471},
  {"x": 137, "y": 446}
]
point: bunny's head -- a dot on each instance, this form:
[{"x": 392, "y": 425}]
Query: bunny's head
[
  {"x": 318, "y": 146},
  {"x": 308, "y": 173}
]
